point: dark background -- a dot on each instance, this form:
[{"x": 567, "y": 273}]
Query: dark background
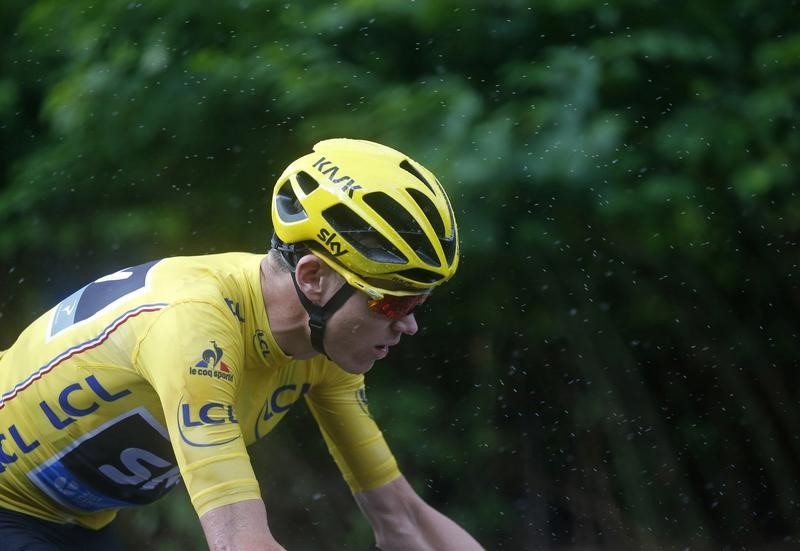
[{"x": 613, "y": 367}]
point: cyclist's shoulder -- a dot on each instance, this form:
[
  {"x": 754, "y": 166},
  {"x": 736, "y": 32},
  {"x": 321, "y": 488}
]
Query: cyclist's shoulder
[
  {"x": 205, "y": 278},
  {"x": 231, "y": 265}
]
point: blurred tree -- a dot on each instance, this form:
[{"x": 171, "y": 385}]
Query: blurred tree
[{"x": 619, "y": 364}]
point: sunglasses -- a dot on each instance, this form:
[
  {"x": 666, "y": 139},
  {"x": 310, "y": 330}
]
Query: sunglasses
[{"x": 396, "y": 307}]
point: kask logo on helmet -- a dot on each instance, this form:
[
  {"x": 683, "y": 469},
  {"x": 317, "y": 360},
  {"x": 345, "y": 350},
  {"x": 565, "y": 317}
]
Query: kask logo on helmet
[{"x": 350, "y": 185}]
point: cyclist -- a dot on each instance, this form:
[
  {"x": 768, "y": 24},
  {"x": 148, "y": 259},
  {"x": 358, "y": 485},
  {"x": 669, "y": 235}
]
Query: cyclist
[{"x": 166, "y": 371}]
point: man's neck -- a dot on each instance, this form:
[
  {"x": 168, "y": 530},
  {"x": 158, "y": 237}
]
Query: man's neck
[{"x": 288, "y": 320}]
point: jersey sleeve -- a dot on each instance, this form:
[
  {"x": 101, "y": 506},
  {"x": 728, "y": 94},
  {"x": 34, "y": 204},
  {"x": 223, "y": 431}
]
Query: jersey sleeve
[
  {"x": 193, "y": 358},
  {"x": 339, "y": 405}
]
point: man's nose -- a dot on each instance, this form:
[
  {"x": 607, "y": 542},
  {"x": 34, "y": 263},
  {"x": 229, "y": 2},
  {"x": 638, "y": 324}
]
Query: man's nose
[{"x": 407, "y": 325}]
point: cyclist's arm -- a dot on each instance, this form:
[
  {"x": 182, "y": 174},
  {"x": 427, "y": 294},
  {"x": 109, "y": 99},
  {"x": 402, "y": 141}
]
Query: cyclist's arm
[
  {"x": 241, "y": 526},
  {"x": 399, "y": 517},
  {"x": 338, "y": 403},
  {"x": 187, "y": 342},
  {"x": 402, "y": 520}
]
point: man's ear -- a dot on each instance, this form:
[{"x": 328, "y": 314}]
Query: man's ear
[{"x": 310, "y": 274}]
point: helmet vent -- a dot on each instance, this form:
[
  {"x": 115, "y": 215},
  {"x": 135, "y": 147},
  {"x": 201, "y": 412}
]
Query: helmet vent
[
  {"x": 286, "y": 203},
  {"x": 404, "y": 224},
  {"x": 306, "y": 182},
  {"x": 360, "y": 235},
  {"x": 408, "y": 167},
  {"x": 428, "y": 208},
  {"x": 420, "y": 275},
  {"x": 449, "y": 248}
]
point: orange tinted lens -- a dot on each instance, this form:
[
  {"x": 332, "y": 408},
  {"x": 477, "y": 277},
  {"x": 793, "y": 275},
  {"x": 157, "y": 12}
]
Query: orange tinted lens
[{"x": 395, "y": 307}]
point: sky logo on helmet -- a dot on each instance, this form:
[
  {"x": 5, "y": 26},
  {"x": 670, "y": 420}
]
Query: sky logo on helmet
[
  {"x": 329, "y": 239},
  {"x": 211, "y": 364},
  {"x": 350, "y": 185}
]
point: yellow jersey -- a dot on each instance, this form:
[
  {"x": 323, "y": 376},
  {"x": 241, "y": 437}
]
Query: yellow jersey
[{"x": 159, "y": 373}]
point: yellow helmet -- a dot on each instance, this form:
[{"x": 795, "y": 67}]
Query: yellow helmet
[{"x": 368, "y": 211}]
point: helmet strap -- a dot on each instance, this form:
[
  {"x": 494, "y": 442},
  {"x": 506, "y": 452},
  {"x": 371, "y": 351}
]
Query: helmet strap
[
  {"x": 291, "y": 252},
  {"x": 318, "y": 315}
]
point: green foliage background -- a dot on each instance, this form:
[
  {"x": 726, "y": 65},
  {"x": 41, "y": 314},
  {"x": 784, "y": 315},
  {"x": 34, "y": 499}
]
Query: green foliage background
[{"x": 614, "y": 365}]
